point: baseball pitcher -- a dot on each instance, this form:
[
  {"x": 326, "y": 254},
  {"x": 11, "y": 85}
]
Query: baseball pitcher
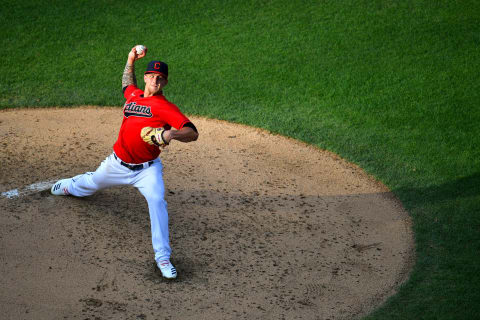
[{"x": 150, "y": 123}]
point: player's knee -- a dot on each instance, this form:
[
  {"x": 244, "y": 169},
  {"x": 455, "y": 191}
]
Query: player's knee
[{"x": 156, "y": 199}]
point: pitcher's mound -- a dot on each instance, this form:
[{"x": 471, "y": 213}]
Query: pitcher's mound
[{"x": 261, "y": 227}]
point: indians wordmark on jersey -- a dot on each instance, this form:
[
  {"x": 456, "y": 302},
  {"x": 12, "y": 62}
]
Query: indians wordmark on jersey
[{"x": 132, "y": 109}]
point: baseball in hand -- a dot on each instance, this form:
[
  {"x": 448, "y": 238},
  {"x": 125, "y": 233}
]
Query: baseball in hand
[{"x": 140, "y": 48}]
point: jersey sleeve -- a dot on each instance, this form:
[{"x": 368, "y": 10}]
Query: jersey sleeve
[
  {"x": 175, "y": 117},
  {"x": 130, "y": 91}
]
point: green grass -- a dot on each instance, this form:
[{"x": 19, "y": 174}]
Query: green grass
[{"x": 392, "y": 86}]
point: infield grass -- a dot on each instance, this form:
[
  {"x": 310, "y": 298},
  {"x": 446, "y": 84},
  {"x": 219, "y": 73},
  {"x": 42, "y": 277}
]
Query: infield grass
[{"x": 391, "y": 86}]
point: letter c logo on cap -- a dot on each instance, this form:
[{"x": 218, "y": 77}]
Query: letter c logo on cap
[{"x": 157, "y": 65}]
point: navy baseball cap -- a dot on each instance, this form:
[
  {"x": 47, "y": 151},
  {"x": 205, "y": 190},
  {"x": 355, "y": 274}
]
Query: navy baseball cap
[{"x": 158, "y": 67}]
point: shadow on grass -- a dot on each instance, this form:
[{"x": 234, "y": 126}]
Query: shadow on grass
[
  {"x": 447, "y": 237},
  {"x": 462, "y": 188}
]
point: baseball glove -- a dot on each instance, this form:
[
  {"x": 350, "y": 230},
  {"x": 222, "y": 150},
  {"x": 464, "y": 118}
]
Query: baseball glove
[{"x": 153, "y": 136}]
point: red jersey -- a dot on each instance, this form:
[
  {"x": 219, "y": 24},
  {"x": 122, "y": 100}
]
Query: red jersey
[{"x": 139, "y": 112}]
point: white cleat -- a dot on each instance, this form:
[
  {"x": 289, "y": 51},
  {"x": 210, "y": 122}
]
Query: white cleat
[
  {"x": 167, "y": 269},
  {"x": 60, "y": 187}
]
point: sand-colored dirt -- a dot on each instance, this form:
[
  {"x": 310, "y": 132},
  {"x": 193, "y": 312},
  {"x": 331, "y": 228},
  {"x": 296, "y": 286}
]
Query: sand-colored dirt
[{"x": 262, "y": 227}]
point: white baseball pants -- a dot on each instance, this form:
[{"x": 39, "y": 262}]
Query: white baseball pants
[{"x": 149, "y": 181}]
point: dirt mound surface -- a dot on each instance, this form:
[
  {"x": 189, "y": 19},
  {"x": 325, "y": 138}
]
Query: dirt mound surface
[{"x": 261, "y": 226}]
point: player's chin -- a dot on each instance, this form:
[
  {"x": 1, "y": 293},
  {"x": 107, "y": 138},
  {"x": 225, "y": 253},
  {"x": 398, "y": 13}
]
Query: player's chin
[{"x": 155, "y": 89}]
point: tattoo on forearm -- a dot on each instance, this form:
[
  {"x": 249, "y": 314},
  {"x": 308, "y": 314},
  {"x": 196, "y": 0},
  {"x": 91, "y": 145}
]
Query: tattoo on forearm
[{"x": 128, "y": 77}]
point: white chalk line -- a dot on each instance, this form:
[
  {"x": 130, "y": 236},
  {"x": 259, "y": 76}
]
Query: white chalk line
[{"x": 35, "y": 187}]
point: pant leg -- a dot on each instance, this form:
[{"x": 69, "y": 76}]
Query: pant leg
[
  {"x": 109, "y": 173},
  {"x": 150, "y": 184}
]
